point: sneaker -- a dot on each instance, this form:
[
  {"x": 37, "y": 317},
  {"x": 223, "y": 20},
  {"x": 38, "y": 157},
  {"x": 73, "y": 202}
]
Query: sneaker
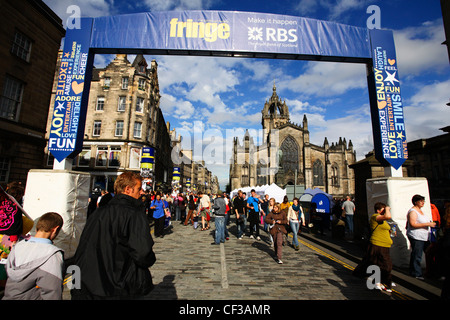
[
  {"x": 251, "y": 237},
  {"x": 258, "y": 238},
  {"x": 379, "y": 286},
  {"x": 279, "y": 261},
  {"x": 240, "y": 238},
  {"x": 387, "y": 289}
]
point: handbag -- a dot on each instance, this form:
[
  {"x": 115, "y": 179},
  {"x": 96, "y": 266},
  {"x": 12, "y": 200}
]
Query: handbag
[{"x": 166, "y": 210}]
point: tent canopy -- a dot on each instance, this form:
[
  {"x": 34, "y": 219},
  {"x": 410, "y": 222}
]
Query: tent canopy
[{"x": 272, "y": 190}]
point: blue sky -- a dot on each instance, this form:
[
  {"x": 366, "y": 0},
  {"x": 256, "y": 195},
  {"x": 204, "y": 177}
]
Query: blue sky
[{"x": 210, "y": 95}]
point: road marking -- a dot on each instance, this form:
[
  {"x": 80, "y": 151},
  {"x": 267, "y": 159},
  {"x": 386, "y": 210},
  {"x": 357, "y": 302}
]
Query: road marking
[
  {"x": 351, "y": 268},
  {"x": 223, "y": 266}
]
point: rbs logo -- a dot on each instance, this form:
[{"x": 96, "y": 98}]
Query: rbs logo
[
  {"x": 272, "y": 34},
  {"x": 210, "y": 31}
]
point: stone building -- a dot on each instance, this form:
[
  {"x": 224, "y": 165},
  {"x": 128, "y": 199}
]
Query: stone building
[
  {"x": 430, "y": 158},
  {"x": 194, "y": 175},
  {"x": 30, "y": 38},
  {"x": 123, "y": 117},
  {"x": 286, "y": 152}
]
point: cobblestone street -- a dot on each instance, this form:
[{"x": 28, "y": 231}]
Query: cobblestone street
[{"x": 189, "y": 267}]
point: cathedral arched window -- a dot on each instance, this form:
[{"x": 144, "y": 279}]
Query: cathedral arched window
[
  {"x": 289, "y": 155},
  {"x": 335, "y": 175},
  {"x": 245, "y": 175},
  {"x": 318, "y": 173}
]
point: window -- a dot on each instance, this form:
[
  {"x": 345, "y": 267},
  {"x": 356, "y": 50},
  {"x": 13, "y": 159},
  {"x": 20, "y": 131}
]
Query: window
[
  {"x": 141, "y": 85},
  {"x": 119, "y": 128},
  {"x": 50, "y": 160},
  {"x": 84, "y": 158},
  {"x": 245, "y": 175},
  {"x": 102, "y": 156},
  {"x": 4, "y": 169},
  {"x": 114, "y": 157},
  {"x": 139, "y": 104},
  {"x": 11, "y": 98},
  {"x": 137, "y": 130},
  {"x": 97, "y": 128},
  {"x": 21, "y": 46},
  {"x": 335, "y": 175},
  {"x": 122, "y": 104},
  {"x": 318, "y": 173},
  {"x": 100, "y": 104},
  {"x": 106, "y": 82},
  {"x": 125, "y": 83},
  {"x": 288, "y": 158}
]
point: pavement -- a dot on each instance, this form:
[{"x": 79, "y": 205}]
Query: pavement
[
  {"x": 188, "y": 267},
  {"x": 428, "y": 288}
]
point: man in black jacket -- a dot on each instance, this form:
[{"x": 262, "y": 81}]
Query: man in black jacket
[
  {"x": 240, "y": 207},
  {"x": 115, "y": 250}
]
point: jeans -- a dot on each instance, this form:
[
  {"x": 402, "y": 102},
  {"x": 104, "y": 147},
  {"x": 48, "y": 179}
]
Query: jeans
[
  {"x": 177, "y": 213},
  {"x": 227, "y": 218},
  {"x": 417, "y": 248},
  {"x": 349, "y": 219},
  {"x": 294, "y": 226},
  {"x": 254, "y": 223},
  {"x": 220, "y": 229},
  {"x": 241, "y": 225}
]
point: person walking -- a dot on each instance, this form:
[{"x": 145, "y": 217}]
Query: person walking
[
  {"x": 348, "y": 210},
  {"x": 158, "y": 205},
  {"x": 265, "y": 210},
  {"x": 295, "y": 217},
  {"x": 240, "y": 208},
  {"x": 115, "y": 250},
  {"x": 272, "y": 203},
  {"x": 284, "y": 206},
  {"x": 417, "y": 231},
  {"x": 219, "y": 207},
  {"x": 278, "y": 220},
  {"x": 191, "y": 208},
  {"x": 253, "y": 214},
  {"x": 379, "y": 246},
  {"x": 205, "y": 206}
]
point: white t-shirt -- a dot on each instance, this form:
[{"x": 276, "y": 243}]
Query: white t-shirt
[
  {"x": 418, "y": 233},
  {"x": 204, "y": 201}
]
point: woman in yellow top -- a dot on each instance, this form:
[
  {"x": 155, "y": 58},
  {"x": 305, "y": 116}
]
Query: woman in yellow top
[{"x": 378, "y": 250}]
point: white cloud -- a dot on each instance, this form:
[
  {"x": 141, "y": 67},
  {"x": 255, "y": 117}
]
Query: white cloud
[
  {"x": 419, "y": 49},
  {"x": 177, "y": 108},
  {"x": 325, "y": 79},
  {"x": 427, "y": 111},
  {"x": 199, "y": 79}
]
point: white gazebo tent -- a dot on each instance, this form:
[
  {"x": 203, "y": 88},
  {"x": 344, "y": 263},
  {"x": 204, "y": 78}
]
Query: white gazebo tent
[{"x": 272, "y": 190}]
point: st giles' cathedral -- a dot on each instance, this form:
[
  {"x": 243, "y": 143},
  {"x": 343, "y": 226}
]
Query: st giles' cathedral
[{"x": 286, "y": 152}]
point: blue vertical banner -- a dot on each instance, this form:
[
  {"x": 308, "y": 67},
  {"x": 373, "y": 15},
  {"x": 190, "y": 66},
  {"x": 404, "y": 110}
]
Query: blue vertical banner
[
  {"x": 147, "y": 161},
  {"x": 386, "y": 102},
  {"x": 72, "y": 93}
]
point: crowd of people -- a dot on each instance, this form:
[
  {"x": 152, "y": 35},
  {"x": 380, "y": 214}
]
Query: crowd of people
[{"x": 115, "y": 250}]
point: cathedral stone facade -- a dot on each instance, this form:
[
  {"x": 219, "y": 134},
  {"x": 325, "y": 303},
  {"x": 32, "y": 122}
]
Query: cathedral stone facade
[{"x": 286, "y": 152}]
